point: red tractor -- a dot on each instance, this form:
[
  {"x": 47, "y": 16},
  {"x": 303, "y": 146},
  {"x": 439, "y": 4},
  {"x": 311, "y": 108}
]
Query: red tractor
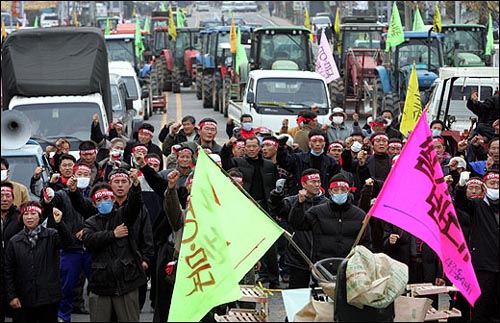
[
  {"x": 185, "y": 49},
  {"x": 359, "y": 54}
]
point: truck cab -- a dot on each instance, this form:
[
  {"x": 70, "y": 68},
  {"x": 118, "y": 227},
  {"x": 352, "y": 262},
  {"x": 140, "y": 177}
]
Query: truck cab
[{"x": 273, "y": 95}]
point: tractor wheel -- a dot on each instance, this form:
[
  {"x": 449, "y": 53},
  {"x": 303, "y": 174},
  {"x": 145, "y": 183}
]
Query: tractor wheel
[
  {"x": 156, "y": 88},
  {"x": 176, "y": 80},
  {"x": 226, "y": 96},
  {"x": 167, "y": 83},
  {"x": 208, "y": 84},
  {"x": 216, "y": 92},
  {"x": 380, "y": 95},
  {"x": 198, "y": 86},
  {"x": 392, "y": 103},
  {"x": 337, "y": 92}
]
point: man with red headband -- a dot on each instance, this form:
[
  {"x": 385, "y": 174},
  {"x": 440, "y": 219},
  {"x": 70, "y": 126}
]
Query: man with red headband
[
  {"x": 316, "y": 157},
  {"x": 378, "y": 165},
  {"x": 207, "y": 129},
  {"x": 334, "y": 224},
  {"x": 484, "y": 245},
  {"x": 88, "y": 156},
  {"x": 307, "y": 121},
  {"x": 311, "y": 194},
  {"x": 144, "y": 137},
  {"x": 114, "y": 254}
]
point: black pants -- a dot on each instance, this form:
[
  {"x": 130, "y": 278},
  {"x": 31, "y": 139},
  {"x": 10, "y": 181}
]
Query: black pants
[
  {"x": 42, "y": 314},
  {"x": 299, "y": 278},
  {"x": 487, "y": 308},
  {"x": 273, "y": 270}
]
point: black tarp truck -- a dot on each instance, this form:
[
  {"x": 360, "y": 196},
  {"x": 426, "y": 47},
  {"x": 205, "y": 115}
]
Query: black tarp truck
[{"x": 59, "y": 78}]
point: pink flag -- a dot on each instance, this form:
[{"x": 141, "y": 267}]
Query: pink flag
[
  {"x": 416, "y": 199},
  {"x": 325, "y": 63}
]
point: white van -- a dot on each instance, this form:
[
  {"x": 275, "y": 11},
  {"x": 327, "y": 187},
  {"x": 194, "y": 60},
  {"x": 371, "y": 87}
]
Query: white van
[
  {"x": 49, "y": 20},
  {"x": 452, "y": 89},
  {"x": 127, "y": 72}
]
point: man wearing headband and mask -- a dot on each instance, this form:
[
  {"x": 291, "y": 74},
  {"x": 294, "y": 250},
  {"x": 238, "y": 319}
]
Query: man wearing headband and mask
[
  {"x": 114, "y": 254},
  {"x": 335, "y": 224},
  {"x": 88, "y": 156},
  {"x": 75, "y": 259},
  {"x": 32, "y": 274},
  {"x": 338, "y": 130},
  {"x": 114, "y": 159},
  {"x": 21, "y": 193},
  {"x": 145, "y": 137},
  {"x": 316, "y": 158},
  {"x": 484, "y": 244}
]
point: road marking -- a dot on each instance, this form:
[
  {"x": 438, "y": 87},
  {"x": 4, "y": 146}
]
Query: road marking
[
  {"x": 164, "y": 118},
  {"x": 178, "y": 105}
]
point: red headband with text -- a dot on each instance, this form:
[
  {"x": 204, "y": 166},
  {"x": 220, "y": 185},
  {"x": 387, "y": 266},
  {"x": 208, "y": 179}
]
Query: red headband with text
[
  {"x": 88, "y": 152},
  {"x": 146, "y": 131},
  {"x": 6, "y": 189},
  {"x": 31, "y": 208},
  {"x": 140, "y": 148},
  {"x": 490, "y": 176},
  {"x": 118, "y": 175},
  {"x": 82, "y": 167},
  {"x": 339, "y": 184},
  {"x": 309, "y": 177},
  {"x": 102, "y": 193}
]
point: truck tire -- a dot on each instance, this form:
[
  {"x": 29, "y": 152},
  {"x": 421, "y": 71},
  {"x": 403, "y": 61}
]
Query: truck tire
[
  {"x": 198, "y": 86},
  {"x": 208, "y": 84},
  {"x": 176, "y": 80},
  {"x": 217, "y": 90},
  {"x": 226, "y": 96},
  {"x": 337, "y": 92}
]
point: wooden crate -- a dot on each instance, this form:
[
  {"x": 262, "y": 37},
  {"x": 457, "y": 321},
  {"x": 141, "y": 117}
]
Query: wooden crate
[{"x": 251, "y": 294}]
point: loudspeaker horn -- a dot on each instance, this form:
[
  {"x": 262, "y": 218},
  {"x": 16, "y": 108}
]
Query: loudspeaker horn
[{"x": 15, "y": 129}]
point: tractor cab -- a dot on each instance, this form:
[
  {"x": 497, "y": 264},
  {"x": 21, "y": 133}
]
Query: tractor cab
[{"x": 464, "y": 45}]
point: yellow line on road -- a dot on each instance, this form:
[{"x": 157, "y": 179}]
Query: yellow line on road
[
  {"x": 178, "y": 106},
  {"x": 164, "y": 118}
]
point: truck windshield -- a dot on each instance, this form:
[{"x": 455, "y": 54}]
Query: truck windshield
[
  {"x": 53, "y": 120},
  {"x": 290, "y": 94},
  {"x": 120, "y": 50}
]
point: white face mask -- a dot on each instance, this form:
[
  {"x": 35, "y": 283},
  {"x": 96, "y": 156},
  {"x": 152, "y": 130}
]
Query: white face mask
[
  {"x": 388, "y": 122},
  {"x": 492, "y": 194},
  {"x": 4, "y": 175},
  {"x": 337, "y": 120},
  {"x": 82, "y": 182},
  {"x": 356, "y": 147}
]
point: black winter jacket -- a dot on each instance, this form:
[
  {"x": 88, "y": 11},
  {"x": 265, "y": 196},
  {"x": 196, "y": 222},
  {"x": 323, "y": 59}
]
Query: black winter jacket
[
  {"x": 334, "y": 227},
  {"x": 116, "y": 263},
  {"x": 33, "y": 275},
  {"x": 281, "y": 207},
  {"x": 484, "y": 230},
  {"x": 11, "y": 225}
]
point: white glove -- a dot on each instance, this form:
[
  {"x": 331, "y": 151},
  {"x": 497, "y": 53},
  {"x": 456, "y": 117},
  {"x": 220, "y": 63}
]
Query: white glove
[
  {"x": 280, "y": 183},
  {"x": 48, "y": 194},
  {"x": 464, "y": 177}
]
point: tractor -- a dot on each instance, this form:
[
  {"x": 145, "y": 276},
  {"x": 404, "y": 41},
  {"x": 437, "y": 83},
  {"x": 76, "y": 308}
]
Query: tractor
[
  {"x": 359, "y": 54},
  {"x": 213, "y": 62},
  {"x": 464, "y": 45},
  {"x": 392, "y": 77},
  {"x": 270, "y": 47},
  {"x": 186, "y": 49}
]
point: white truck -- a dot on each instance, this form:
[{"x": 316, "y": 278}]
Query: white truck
[
  {"x": 273, "y": 95},
  {"x": 450, "y": 92},
  {"x": 59, "y": 78}
]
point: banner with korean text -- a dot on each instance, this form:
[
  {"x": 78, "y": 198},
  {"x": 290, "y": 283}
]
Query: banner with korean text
[
  {"x": 225, "y": 235},
  {"x": 325, "y": 63},
  {"x": 415, "y": 198}
]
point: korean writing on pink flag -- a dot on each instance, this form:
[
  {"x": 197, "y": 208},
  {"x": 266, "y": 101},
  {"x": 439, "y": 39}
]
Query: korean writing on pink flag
[
  {"x": 422, "y": 206},
  {"x": 325, "y": 63}
]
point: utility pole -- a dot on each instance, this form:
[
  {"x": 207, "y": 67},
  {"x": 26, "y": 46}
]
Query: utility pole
[
  {"x": 408, "y": 16},
  {"x": 458, "y": 12}
]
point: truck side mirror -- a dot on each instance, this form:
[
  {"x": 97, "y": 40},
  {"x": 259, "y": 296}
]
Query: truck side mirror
[
  {"x": 129, "y": 105},
  {"x": 250, "y": 97},
  {"x": 144, "y": 94}
]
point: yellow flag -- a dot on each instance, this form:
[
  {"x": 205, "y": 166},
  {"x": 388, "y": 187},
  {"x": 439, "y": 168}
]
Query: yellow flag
[
  {"x": 17, "y": 25},
  {"x": 172, "y": 29},
  {"x": 336, "y": 26},
  {"x": 437, "y": 19},
  {"x": 233, "y": 37},
  {"x": 75, "y": 19},
  {"x": 4, "y": 31},
  {"x": 413, "y": 107},
  {"x": 307, "y": 24}
]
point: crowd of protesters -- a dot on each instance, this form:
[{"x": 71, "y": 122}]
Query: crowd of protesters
[{"x": 114, "y": 217}]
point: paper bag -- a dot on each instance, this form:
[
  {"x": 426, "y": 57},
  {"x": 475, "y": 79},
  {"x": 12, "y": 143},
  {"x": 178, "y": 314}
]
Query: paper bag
[
  {"x": 411, "y": 309},
  {"x": 315, "y": 311}
]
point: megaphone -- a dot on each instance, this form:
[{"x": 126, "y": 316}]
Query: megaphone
[{"x": 15, "y": 129}]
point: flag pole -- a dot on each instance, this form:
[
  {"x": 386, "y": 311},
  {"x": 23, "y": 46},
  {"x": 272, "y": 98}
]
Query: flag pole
[
  {"x": 287, "y": 234},
  {"x": 366, "y": 220}
]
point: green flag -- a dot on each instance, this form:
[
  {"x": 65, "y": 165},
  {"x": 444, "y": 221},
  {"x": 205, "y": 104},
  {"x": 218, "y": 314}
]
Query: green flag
[
  {"x": 107, "y": 31},
  {"x": 418, "y": 23},
  {"x": 241, "y": 54},
  {"x": 489, "y": 37},
  {"x": 180, "y": 18},
  {"x": 395, "y": 35},
  {"x": 147, "y": 25},
  {"x": 139, "y": 46},
  {"x": 162, "y": 8},
  {"x": 35, "y": 25},
  {"x": 224, "y": 236}
]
